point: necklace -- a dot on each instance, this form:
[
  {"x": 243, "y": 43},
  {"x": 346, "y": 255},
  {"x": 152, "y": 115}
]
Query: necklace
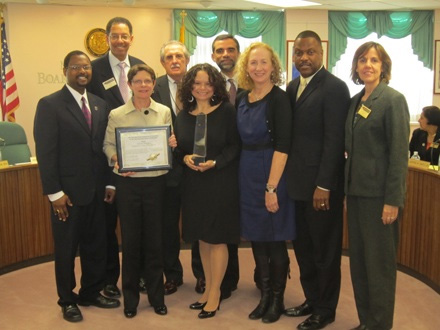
[{"x": 261, "y": 95}]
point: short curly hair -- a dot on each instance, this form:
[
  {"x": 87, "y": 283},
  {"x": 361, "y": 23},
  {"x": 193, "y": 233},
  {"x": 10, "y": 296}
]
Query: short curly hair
[
  {"x": 215, "y": 79},
  {"x": 383, "y": 56},
  {"x": 244, "y": 80}
]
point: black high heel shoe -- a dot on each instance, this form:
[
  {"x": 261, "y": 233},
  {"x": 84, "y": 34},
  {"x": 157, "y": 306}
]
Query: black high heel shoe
[
  {"x": 205, "y": 314},
  {"x": 197, "y": 305}
]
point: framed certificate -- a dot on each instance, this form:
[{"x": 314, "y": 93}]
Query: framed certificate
[{"x": 143, "y": 148}]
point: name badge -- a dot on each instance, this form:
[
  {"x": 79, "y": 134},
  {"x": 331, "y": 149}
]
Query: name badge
[
  {"x": 364, "y": 111},
  {"x": 109, "y": 83}
]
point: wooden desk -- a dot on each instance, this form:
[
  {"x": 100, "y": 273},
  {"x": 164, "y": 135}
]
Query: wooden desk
[
  {"x": 419, "y": 244},
  {"x": 25, "y": 230}
]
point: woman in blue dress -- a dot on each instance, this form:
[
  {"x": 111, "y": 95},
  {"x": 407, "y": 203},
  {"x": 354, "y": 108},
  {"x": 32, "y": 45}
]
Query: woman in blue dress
[{"x": 266, "y": 211}]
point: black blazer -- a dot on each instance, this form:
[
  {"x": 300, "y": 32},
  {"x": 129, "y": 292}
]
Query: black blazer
[
  {"x": 102, "y": 71},
  {"x": 418, "y": 143},
  {"x": 316, "y": 155},
  {"x": 70, "y": 156},
  {"x": 162, "y": 95}
]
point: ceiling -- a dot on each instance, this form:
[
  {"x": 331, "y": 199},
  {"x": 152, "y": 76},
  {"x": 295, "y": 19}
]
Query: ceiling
[{"x": 352, "y": 5}]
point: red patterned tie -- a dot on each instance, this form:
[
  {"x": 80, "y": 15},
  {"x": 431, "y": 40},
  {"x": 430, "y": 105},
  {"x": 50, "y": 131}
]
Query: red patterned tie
[{"x": 86, "y": 112}]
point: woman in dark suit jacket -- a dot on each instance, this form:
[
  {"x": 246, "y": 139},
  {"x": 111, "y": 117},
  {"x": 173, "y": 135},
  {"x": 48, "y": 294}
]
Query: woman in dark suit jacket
[
  {"x": 377, "y": 131},
  {"x": 425, "y": 140}
]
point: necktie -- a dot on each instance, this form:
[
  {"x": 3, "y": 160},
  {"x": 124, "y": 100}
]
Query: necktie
[
  {"x": 302, "y": 86},
  {"x": 178, "y": 100},
  {"x": 86, "y": 112},
  {"x": 123, "y": 86},
  {"x": 232, "y": 91}
]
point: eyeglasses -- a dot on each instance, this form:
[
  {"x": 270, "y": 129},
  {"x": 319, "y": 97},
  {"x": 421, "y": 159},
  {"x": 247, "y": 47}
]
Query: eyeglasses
[
  {"x": 79, "y": 67},
  {"x": 139, "y": 82},
  {"x": 115, "y": 37}
]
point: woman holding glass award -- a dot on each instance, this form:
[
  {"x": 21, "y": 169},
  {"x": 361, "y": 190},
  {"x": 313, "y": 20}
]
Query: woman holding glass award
[
  {"x": 140, "y": 195},
  {"x": 208, "y": 146}
]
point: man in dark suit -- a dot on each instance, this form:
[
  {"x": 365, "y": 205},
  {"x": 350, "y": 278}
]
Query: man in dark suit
[
  {"x": 174, "y": 58},
  {"x": 315, "y": 175},
  {"x": 225, "y": 53},
  {"x": 69, "y": 131},
  {"x": 110, "y": 83}
]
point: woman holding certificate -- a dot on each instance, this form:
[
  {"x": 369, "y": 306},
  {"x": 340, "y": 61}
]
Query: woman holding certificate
[
  {"x": 376, "y": 144},
  {"x": 140, "y": 195},
  {"x": 208, "y": 146}
]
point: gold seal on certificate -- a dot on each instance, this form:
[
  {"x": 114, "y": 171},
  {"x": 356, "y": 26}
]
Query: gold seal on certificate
[
  {"x": 143, "y": 148},
  {"x": 96, "y": 43}
]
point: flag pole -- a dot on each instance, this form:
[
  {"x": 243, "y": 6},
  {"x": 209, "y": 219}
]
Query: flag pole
[{"x": 182, "y": 14}]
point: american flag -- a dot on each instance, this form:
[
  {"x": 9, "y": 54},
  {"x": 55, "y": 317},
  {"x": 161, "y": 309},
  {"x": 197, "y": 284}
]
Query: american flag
[{"x": 8, "y": 89}]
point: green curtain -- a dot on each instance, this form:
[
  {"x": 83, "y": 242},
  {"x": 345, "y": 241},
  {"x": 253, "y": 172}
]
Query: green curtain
[
  {"x": 249, "y": 24},
  {"x": 358, "y": 25}
]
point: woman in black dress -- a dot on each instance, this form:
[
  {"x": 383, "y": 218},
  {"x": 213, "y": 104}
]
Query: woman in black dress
[{"x": 210, "y": 188}]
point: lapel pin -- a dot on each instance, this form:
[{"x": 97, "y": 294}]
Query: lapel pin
[{"x": 96, "y": 108}]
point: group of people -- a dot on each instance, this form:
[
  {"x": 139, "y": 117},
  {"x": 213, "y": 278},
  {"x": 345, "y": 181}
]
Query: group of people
[{"x": 273, "y": 172}]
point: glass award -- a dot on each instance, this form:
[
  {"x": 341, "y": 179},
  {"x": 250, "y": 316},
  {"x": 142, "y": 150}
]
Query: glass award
[{"x": 199, "y": 150}]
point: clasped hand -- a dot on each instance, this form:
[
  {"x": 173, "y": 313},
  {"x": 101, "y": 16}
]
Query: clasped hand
[{"x": 202, "y": 167}]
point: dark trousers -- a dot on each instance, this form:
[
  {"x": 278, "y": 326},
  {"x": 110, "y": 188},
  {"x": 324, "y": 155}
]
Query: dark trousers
[
  {"x": 171, "y": 235},
  {"x": 232, "y": 275},
  {"x": 113, "y": 266},
  {"x": 139, "y": 205},
  {"x": 318, "y": 249},
  {"x": 84, "y": 230},
  {"x": 373, "y": 263}
]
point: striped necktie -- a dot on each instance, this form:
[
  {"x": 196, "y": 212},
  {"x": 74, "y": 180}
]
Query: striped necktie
[
  {"x": 232, "y": 91},
  {"x": 123, "y": 86},
  {"x": 86, "y": 112}
]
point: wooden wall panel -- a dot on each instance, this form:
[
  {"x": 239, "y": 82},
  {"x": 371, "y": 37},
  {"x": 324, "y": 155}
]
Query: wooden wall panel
[
  {"x": 419, "y": 242},
  {"x": 25, "y": 230}
]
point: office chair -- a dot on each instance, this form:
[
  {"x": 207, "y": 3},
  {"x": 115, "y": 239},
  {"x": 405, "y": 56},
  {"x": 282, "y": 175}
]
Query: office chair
[{"x": 13, "y": 143}]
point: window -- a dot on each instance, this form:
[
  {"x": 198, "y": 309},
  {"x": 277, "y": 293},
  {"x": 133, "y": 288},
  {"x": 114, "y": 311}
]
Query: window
[
  {"x": 408, "y": 75},
  {"x": 202, "y": 54}
]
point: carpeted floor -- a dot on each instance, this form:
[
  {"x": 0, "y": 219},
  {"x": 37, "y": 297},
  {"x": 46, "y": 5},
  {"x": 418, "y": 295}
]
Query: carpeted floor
[{"x": 28, "y": 301}]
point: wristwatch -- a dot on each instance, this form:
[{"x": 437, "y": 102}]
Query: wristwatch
[{"x": 271, "y": 189}]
